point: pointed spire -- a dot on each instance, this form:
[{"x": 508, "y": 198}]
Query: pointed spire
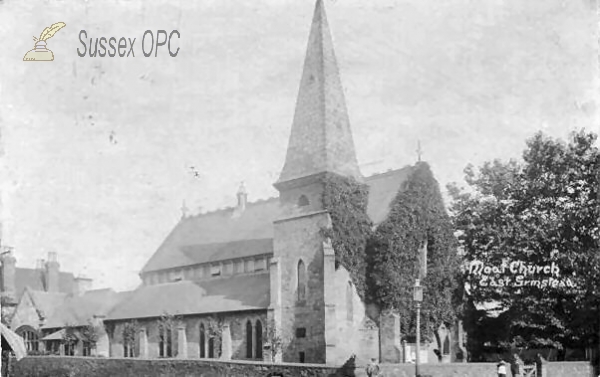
[{"x": 321, "y": 139}]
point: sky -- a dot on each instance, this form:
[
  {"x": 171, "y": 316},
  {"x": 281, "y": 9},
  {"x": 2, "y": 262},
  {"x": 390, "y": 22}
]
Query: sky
[{"x": 98, "y": 154}]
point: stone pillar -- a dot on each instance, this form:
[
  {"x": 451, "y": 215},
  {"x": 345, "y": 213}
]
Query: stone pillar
[
  {"x": 405, "y": 352},
  {"x": 541, "y": 365},
  {"x": 274, "y": 312},
  {"x": 389, "y": 337},
  {"x": 226, "y": 342},
  {"x": 181, "y": 342},
  {"x": 143, "y": 343},
  {"x": 329, "y": 294}
]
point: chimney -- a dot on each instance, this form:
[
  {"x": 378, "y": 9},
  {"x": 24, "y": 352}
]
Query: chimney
[
  {"x": 9, "y": 263},
  {"x": 81, "y": 285},
  {"x": 52, "y": 273},
  {"x": 242, "y": 198}
]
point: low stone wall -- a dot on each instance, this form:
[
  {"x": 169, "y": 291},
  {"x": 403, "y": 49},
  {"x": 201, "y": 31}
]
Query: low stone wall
[
  {"x": 65, "y": 366},
  {"x": 443, "y": 370},
  {"x": 569, "y": 368}
]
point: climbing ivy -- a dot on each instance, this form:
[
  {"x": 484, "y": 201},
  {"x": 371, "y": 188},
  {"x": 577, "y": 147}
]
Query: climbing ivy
[
  {"x": 346, "y": 201},
  {"x": 417, "y": 217}
]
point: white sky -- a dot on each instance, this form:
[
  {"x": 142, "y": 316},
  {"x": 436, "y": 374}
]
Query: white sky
[{"x": 471, "y": 79}]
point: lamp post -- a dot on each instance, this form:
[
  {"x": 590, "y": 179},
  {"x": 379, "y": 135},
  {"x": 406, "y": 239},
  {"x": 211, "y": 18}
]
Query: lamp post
[{"x": 418, "y": 298}]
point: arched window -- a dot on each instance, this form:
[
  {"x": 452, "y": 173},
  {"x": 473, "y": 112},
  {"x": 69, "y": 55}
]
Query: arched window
[
  {"x": 211, "y": 347},
  {"x": 30, "y": 338},
  {"x": 301, "y": 281},
  {"x": 202, "y": 341},
  {"x": 259, "y": 342},
  {"x": 349, "y": 303},
  {"x": 446, "y": 346},
  {"x": 303, "y": 201},
  {"x": 165, "y": 341},
  {"x": 249, "y": 339}
]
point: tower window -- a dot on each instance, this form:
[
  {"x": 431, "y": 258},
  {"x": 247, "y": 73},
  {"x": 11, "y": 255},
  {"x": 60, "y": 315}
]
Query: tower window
[
  {"x": 301, "y": 332},
  {"x": 301, "y": 356},
  {"x": 301, "y": 281},
  {"x": 303, "y": 201}
]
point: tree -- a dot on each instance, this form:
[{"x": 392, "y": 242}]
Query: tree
[
  {"x": 275, "y": 339},
  {"x": 541, "y": 211},
  {"x": 417, "y": 220}
]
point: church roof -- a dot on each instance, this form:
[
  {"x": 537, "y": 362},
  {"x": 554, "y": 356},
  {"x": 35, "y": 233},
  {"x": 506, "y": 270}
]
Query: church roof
[
  {"x": 219, "y": 235},
  {"x": 320, "y": 139},
  {"x": 229, "y": 294}
]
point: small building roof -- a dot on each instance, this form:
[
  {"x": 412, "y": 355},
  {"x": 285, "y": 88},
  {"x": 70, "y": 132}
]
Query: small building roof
[
  {"x": 227, "y": 294},
  {"x": 79, "y": 310}
]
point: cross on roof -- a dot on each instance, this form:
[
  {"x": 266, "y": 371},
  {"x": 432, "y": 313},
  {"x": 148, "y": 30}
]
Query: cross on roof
[{"x": 419, "y": 150}]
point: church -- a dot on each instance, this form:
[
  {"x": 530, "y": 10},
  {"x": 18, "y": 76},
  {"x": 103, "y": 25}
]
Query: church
[{"x": 258, "y": 281}]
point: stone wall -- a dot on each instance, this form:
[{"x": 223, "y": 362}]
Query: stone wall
[
  {"x": 569, "y": 368},
  {"x": 56, "y": 366},
  {"x": 60, "y": 366}
]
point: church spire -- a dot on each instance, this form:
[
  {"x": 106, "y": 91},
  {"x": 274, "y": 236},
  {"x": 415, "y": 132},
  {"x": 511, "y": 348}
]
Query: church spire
[{"x": 321, "y": 139}]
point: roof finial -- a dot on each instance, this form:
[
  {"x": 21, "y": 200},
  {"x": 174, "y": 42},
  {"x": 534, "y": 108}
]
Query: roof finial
[
  {"x": 184, "y": 210},
  {"x": 419, "y": 151}
]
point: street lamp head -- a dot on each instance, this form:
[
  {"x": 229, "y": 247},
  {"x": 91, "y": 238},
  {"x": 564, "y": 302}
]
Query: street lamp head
[{"x": 418, "y": 291}]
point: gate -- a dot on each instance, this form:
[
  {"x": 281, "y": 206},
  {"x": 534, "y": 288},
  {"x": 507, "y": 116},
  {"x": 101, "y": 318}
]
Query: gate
[{"x": 530, "y": 370}]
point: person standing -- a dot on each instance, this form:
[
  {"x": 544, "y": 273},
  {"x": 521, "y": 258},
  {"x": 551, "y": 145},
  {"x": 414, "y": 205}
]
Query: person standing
[{"x": 373, "y": 368}]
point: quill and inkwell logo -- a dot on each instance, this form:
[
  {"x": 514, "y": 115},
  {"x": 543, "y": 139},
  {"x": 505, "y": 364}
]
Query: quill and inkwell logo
[{"x": 40, "y": 52}]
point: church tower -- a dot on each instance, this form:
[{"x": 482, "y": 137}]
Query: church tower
[{"x": 303, "y": 264}]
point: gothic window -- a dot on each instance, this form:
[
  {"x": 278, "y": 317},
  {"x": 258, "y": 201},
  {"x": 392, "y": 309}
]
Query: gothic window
[
  {"x": 211, "y": 347},
  {"x": 303, "y": 201},
  {"x": 128, "y": 344},
  {"x": 30, "y": 339},
  {"x": 259, "y": 342},
  {"x": 446, "y": 346},
  {"x": 349, "y": 303},
  {"x": 165, "y": 345},
  {"x": 301, "y": 281},
  {"x": 249, "y": 339},
  {"x": 202, "y": 341}
]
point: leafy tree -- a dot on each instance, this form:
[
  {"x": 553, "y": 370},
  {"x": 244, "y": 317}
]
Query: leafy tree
[
  {"x": 535, "y": 212},
  {"x": 417, "y": 220},
  {"x": 215, "y": 331}
]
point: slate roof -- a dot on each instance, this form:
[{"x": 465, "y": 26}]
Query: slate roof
[
  {"x": 32, "y": 278},
  {"x": 46, "y": 302},
  {"x": 78, "y": 310},
  {"x": 235, "y": 293},
  {"x": 219, "y": 235},
  {"x": 320, "y": 138}
]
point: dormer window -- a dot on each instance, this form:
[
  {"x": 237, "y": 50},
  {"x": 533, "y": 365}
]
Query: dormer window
[{"x": 303, "y": 201}]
